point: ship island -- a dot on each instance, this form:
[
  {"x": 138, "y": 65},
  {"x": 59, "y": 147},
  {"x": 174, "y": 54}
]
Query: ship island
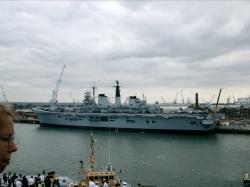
[{"x": 134, "y": 115}]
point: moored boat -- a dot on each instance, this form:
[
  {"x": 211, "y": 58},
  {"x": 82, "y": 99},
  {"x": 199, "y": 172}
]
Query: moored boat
[
  {"x": 134, "y": 115},
  {"x": 246, "y": 179},
  {"x": 92, "y": 175}
]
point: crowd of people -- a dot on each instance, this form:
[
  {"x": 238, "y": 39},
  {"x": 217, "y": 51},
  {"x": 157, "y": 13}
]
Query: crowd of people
[
  {"x": 14, "y": 180},
  {"x": 9, "y": 180},
  {"x": 96, "y": 184}
]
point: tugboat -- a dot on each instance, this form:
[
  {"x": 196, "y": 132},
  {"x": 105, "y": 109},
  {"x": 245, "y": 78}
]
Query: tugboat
[{"x": 94, "y": 176}]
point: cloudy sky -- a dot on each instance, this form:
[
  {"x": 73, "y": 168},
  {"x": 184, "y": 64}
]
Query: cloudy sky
[{"x": 152, "y": 48}]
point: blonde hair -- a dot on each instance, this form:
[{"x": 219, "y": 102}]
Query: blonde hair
[{"x": 5, "y": 111}]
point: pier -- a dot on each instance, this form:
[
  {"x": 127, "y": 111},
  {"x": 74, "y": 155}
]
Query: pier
[
  {"x": 26, "y": 116},
  {"x": 234, "y": 126}
]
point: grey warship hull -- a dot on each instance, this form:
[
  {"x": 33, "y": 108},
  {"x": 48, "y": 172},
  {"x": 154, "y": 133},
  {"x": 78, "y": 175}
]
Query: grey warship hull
[{"x": 187, "y": 122}]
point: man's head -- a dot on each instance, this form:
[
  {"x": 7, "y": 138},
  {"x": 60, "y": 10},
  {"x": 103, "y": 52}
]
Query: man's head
[{"x": 7, "y": 145}]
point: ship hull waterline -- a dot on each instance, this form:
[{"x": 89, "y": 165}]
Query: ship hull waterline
[{"x": 181, "y": 123}]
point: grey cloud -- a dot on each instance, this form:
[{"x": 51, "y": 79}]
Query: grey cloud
[{"x": 144, "y": 44}]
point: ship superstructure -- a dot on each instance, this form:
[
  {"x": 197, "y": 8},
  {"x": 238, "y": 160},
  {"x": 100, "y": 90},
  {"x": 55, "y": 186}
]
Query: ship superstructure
[{"x": 94, "y": 175}]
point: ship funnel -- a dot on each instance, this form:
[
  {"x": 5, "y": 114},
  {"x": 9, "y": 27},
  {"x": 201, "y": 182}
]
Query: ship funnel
[
  {"x": 117, "y": 94},
  {"x": 196, "y": 101}
]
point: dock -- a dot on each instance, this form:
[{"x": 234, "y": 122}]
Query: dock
[
  {"x": 234, "y": 126},
  {"x": 26, "y": 116}
]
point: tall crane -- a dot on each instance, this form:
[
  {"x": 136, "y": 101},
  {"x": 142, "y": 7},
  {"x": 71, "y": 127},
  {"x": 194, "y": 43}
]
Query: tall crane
[
  {"x": 163, "y": 100},
  {"x": 212, "y": 98},
  {"x": 55, "y": 91},
  {"x": 217, "y": 100},
  {"x": 182, "y": 98},
  {"x": 4, "y": 95},
  {"x": 175, "y": 101},
  {"x": 73, "y": 99},
  {"x": 233, "y": 98}
]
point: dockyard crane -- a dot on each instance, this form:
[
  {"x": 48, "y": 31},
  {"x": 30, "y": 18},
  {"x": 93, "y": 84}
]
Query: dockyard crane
[
  {"x": 73, "y": 99},
  {"x": 212, "y": 98},
  {"x": 183, "y": 101},
  {"x": 189, "y": 101},
  {"x": 55, "y": 91},
  {"x": 233, "y": 98},
  {"x": 4, "y": 95},
  {"x": 175, "y": 101},
  {"x": 163, "y": 100},
  {"x": 217, "y": 101}
]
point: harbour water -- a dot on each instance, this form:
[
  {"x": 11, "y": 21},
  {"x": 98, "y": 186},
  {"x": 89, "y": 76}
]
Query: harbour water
[{"x": 162, "y": 160}]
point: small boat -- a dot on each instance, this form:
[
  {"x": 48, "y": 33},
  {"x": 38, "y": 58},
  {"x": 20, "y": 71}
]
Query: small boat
[
  {"x": 92, "y": 175},
  {"x": 246, "y": 179}
]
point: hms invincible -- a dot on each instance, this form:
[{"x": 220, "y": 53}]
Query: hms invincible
[{"x": 135, "y": 115}]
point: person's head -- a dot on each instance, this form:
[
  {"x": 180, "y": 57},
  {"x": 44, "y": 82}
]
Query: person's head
[{"x": 7, "y": 145}]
